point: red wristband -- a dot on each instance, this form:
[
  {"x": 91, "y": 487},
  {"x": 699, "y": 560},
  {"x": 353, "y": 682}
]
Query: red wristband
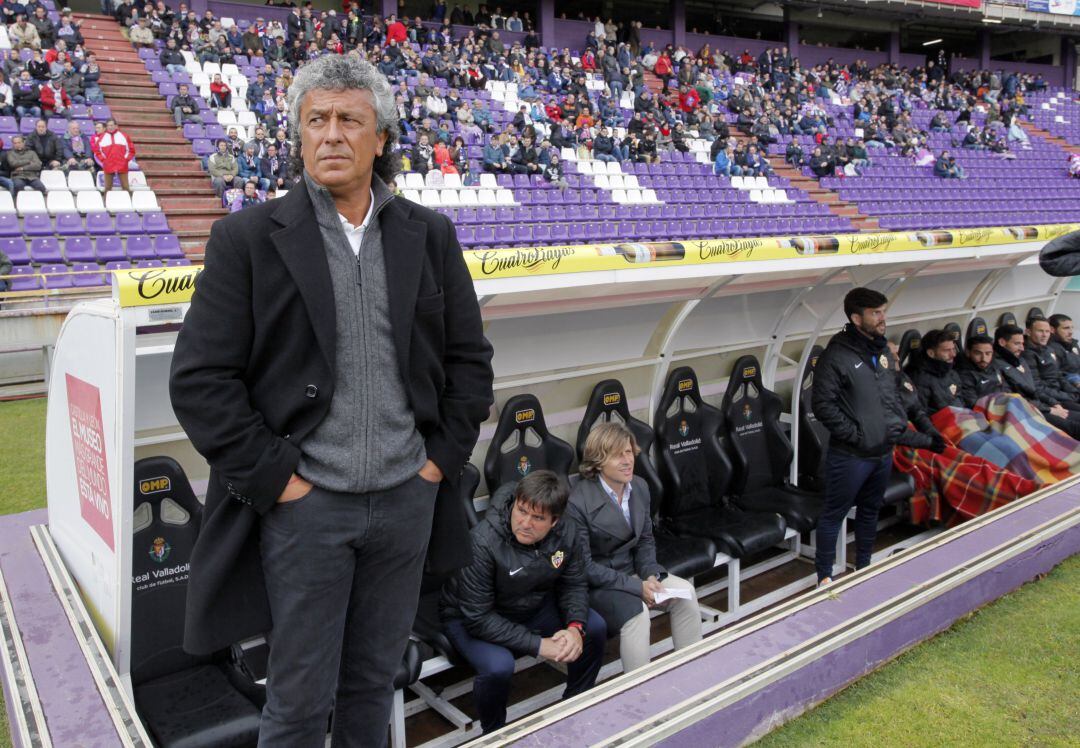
[{"x": 576, "y": 625}]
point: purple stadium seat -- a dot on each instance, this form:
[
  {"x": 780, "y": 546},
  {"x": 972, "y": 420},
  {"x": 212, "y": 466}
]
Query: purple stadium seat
[
  {"x": 99, "y": 224},
  {"x": 148, "y": 264},
  {"x": 485, "y": 236},
  {"x": 57, "y": 276},
  {"x": 117, "y": 265},
  {"x": 79, "y": 249},
  {"x": 37, "y": 224},
  {"x": 155, "y": 223},
  {"x": 504, "y": 235},
  {"x": 167, "y": 247},
  {"x": 177, "y": 263},
  {"x": 128, "y": 223},
  {"x": 88, "y": 275},
  {"x": 466, "y": 235},
  {"x": 100, "y": 112},
  {"x": 168, "y": 88},
  {"x": 214, "y": 133},
  {"x": 28, "y": 280},
  {"x": 80, "y": 111},
  {"x": 140, "y": 248},
  {"x": 45, "y": 250},
  {"x": 9, "y": 225},
  {"x": 15, "y": 249},
  {"x": 8, "y": 125},
  {"x": 193, "y": 130},
  {"x": 69, "y": 224},
  {"x": 202, "y": 147},
  {"x": 57, "y": 125},
  {"x": 109, "y": 249}
]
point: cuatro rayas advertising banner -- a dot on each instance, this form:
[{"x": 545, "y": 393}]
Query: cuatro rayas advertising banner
[{"x": 175, "y": 285}]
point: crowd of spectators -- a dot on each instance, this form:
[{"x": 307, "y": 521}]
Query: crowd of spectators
[{"x": 706, "y": 94}]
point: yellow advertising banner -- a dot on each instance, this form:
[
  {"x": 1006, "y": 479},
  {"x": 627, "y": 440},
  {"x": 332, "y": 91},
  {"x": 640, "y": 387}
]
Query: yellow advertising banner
[
  {"x": 146, "y": 286},
  {"x": 155, "y": 286},
  {"x": 525, "y": 261}
]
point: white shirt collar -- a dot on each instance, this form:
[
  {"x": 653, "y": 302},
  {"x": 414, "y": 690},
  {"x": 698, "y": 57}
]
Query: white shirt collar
[{"x": 355, "y": 234}]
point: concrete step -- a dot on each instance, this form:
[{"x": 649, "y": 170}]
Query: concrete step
[
  {"x": 127, "y": 93},
  {"x": 209, "y": 206},
  {"x": 192, "y": 191},
  {"x": 158, "y": 150},
  {"x": 144, "y": 120},
  {"x": 135, "y": 69},
  {"x": 174, "y": 169},
  {"x": 192, "y": 226}
]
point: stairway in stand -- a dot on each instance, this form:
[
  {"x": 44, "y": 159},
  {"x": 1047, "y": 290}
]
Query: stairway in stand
[
  {"x": 1061, "y": 143},
  {"x": 172, "y": 170}
]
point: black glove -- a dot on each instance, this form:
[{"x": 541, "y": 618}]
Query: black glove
[
  {"x": 914, "y": 439},
  {"x": 937, "y": 443}
]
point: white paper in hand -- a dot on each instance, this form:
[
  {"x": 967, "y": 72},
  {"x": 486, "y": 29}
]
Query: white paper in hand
[{"x": 669, "y": 594}]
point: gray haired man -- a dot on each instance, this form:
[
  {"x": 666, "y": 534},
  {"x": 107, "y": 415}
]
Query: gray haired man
[{"x": 334, "y": 373}]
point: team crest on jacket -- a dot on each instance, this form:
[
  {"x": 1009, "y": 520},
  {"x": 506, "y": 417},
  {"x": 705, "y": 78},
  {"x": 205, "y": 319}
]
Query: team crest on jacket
[
  {"x": 884, "y": 361},
  {"x": 909, "y": 386},
  {"x": 952, "y": 389},
  {"x": 524, "y": 466},
  {"x": 557, "y": 558},
  {"x": 1020, "y": 368}
]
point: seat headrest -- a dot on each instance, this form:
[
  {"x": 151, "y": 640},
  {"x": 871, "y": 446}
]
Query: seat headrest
[
  {"x": 746, "y": 370},
  {"x": 522, "y": 443},
  {"x": 806, "y": 379},
  {"x": 162, "y": 489},
  {"x": 606, "y": 403},
  {"x": 1035, "y": 311},
  {"x": 681, "y": 382},
  {"x": 953, "y": 328},
  {"x": 977, "y": 326},
  {"x": 1006, "y": 318},
  {"x": 910, "y": 342}
]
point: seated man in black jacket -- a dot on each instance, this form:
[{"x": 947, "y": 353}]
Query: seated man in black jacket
[
  {"x": 1065, "y": 347},
  {"x": 525, "y": 593},
  {"x": 1044, "y": 364},
  {"x": 1008, "y": 349},
  {"x": 935, "y": 379},
  {"x": 979, "y": 375}
]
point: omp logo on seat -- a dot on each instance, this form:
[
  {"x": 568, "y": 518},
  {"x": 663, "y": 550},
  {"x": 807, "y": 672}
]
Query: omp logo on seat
[
  {"x": 524, "y": 416},
  {"x": 685, "y": 385},
  {"x": 612, "y": 398},
  {"x": 749, "y": 372},
  {"x": 813, "y": 361},
  {"x": 980, "y": 329},
  {"x": 154, "y": 485},
  {"x": 916, "y": 343}
]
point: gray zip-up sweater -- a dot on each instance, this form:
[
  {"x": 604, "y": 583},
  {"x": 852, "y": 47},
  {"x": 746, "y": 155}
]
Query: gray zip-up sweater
[{"x": 368, "y": 440}]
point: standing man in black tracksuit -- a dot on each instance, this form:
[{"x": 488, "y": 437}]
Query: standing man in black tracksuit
[
  {"x": 1045, "y": 366},
  {"x": 1008, "y": 351},
  {"x": 937, "y": 382},
  {"x": 525, "y": 593},
  {"x": 979, "y": 373},
  {"x": 1066, "y": 348},
  {"x": 856, "y": 399}
]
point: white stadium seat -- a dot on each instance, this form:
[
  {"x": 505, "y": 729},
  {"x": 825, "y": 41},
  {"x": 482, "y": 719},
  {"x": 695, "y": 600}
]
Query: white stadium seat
[
  {"x": 485, "y": 197},
  {"x": 117, "y": 201},
  {"x": 53, "y": 179},
  {"x": 30, "y": 201},
  {"x": 504, "y": 197},
  {"x": 413, "y": 195},
  {"x": 430, "y": 198},
  {"x": 137, "y": 181},
  {"x": 467, "y": 197},
  {"x": 601, "y": 181},
  {"x": 488, "y": 181},
  {"x": 414, "y": 181},
  {"x": 80, "y": 181},
  {"x": 89, "y": 202},
  {"x": 145, "y": 201},
  {"x": 7, "y": 204},
  {"x": 60, "y": 201},
  {"x": 451, "y": 181},
  {"x": 449, "y": 198}
]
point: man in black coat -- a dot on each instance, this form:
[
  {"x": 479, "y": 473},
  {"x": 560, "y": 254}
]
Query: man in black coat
[
  {"x": 525, "y": 593},
  {"x": 1045, "y": 366},
  {"x": 856, "y": 399},
  {"x": 333, "y": 372},
  {"x": 937, "y": 382},
  {"x": 979, "y": 374},
  {"x": 1065, "y": 346},
  {"x": 1018, "y": 376}
]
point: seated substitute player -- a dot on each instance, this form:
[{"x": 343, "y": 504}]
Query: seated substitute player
[
  {"x": 612, "y": 508},
  {"x": 525, "y": 593}
]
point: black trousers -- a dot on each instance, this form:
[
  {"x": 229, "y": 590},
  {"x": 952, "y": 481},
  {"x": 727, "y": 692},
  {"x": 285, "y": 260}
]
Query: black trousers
[
  {"x": 857, "y": 481},
  {"x": 343, "y": 577}
]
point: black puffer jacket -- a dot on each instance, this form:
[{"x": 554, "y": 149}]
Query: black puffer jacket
[
  {"x": 976, "y": 383},
  {"x": 1048, "y": 377},
  {"x": 855, "y": 395},
  {"x": 925, "y": 431},
  {"x": 507, "y": 582},
  {"x": 1019, "y": 378},
  {"x": 1068, "y": 355},
  {"x": 938, "y": 384}
]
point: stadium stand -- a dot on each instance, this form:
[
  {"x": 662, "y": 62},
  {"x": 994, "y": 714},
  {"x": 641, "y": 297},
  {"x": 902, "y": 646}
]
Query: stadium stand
[
  {"x": 60, "y": 230},
  {"x": 653, "y": 177}
]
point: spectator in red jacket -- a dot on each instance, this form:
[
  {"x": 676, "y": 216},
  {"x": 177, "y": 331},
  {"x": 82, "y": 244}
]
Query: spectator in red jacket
[
  {"x": 396, "y": 31},
  {"x": 688, "y": 99},
  {"x": 54, "y": 99},
  {"x": 220, "y": 93},
  {"x": 114, "y": 151},
  {"x": 663, "y": 68}
]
